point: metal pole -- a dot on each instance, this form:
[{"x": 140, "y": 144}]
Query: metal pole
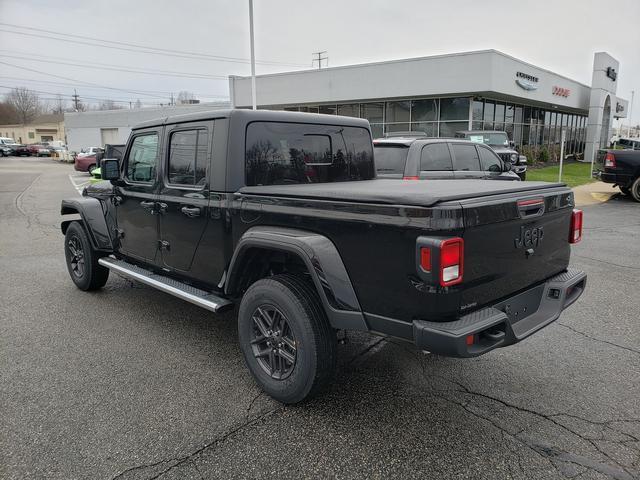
[
  {"x": 630, "y": 113},
  {"x": 562, "y": 138},
  {"x": 253, "y": 58}
]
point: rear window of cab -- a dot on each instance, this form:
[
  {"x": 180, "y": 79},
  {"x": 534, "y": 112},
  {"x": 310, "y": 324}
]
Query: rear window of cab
[{"x": 291, "y": 153}]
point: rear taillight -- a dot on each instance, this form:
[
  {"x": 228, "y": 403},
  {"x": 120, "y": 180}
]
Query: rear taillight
[
  {"x": 610, "y": 160},
  {"x": 575, "y": 233},
  {"x": 411, "y": 178},
  {"x": 451, "y": 261}
]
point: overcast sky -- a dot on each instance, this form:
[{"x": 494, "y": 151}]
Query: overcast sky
[{"x": 559, "y": 35}]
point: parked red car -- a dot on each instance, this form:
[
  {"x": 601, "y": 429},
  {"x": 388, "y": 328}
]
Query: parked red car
[{"x": 85, "y": 164}]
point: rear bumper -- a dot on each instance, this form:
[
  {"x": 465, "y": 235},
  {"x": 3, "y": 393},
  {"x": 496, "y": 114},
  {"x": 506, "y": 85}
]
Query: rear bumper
[
  {"x": 504, "y": 323},
  {"x": 616, "y": 178}
]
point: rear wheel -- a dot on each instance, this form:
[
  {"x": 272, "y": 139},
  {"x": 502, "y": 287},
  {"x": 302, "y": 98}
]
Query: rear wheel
[
  {"x": 285, "y": 336},
  {"x": 635, "y": 190},
  {"x": 82, "y": 259}
]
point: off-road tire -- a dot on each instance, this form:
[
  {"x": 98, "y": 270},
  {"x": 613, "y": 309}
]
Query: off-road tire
[
  {"x": 635, "y": 189},
  {"x": 315, "y": 340},
  {"x": 78, "y": 249}
]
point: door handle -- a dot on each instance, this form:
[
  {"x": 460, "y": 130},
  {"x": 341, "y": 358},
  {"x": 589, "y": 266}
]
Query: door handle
[
  {"x": 162, "y": 207},
  {"x": 144, "y": 204},
  {"x": 191, "y": 211}
]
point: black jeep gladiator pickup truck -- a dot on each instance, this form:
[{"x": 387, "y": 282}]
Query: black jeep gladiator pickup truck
[{"x": 280, "y": 213}]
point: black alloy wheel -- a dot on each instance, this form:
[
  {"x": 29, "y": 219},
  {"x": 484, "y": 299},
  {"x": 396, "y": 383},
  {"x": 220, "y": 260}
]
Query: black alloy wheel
[
  {"x": 77, "y": 256},
  {"x": 635, "y": 190},
  {"x": 272, "y": 342}
]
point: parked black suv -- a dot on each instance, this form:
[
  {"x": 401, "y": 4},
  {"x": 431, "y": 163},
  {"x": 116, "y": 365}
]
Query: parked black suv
[
  {"x": 280, "y": 213},
  {"x": 419, "y": 158},
  {"x": 500, "y": 143}
]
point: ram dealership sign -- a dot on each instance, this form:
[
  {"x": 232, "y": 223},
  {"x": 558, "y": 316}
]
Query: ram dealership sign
[
  {"x": 561, "y": 92},
  {"x": 526, "y": 81}
]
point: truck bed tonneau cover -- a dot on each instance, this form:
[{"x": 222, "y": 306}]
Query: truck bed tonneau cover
[{"x": 399, "y": 192}]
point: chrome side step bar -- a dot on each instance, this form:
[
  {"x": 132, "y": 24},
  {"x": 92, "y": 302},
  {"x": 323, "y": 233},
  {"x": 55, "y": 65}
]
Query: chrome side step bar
[{"x": 194, "y": 295}]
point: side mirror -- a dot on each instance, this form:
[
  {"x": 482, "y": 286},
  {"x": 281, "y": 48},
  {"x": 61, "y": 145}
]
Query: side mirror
[
  {"x": 110, "y": 169},
  {"x": 512, "y": 144},
  {"x": 507, "y": 167}
]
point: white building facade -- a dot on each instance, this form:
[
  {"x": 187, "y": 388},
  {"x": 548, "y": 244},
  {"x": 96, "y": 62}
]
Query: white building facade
[
  {"x": 97, "y": 128},
  {"x": 442, "y": 94}
]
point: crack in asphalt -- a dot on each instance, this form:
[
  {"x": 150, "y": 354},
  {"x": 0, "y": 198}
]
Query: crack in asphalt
[
  {"x": 18, "y": 201},
  {"x": 595, "y": 339},
  {"x": 177, "y": 461},
  {"x": 606, "y": 262},
  {"x": 364, "y": 352},
  {"x": 619, "y": 472}
]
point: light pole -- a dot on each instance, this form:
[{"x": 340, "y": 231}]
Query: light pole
[
  {"x": 630, "y": 113},
  {"x": 253, "y": 58}
]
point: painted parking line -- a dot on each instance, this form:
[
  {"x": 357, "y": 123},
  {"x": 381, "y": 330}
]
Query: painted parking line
[{"x": 79, "y": 181}]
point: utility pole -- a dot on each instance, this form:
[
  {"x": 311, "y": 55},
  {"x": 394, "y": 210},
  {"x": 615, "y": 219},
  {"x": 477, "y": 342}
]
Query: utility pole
[
  {"x": 171, "y": 101},
  {"x": 76, "y": 99},
  {"x": 320, "y": 58},
  {"x": 253, "y": 59},
  {"x": 633, "y": 92}
]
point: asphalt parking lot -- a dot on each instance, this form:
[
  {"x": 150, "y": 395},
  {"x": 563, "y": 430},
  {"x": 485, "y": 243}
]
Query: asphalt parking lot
[{"x": 131, "y": 383}]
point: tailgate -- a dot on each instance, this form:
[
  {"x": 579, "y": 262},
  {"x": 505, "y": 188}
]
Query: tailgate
[{"x": 513, "y": 242}]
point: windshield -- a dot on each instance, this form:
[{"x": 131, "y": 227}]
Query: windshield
[
  {"x": 7, "y": 141},
  {"x": 390, "y": 158},
  {"x": 487, "y": 138}
]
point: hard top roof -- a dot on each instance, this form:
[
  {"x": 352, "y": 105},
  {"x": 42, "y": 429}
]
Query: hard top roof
[{"x": 256, "y": 115}]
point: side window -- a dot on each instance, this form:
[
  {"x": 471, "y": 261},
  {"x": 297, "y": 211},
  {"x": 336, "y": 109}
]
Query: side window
[
  {"x": 465, "y": 157},
  {"x": 435, "y": 157},
  {"x": 489, "y": 161},
  {"x": 141, "y": 163},
  {"x": 188, "y": 158},
  {"x": 390, "y": 159}
]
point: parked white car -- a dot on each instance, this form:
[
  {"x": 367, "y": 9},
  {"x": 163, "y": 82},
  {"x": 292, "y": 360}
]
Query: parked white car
[{"x": 87, "y": 152}]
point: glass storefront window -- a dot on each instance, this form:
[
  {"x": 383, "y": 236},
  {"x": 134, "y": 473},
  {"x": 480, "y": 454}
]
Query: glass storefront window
[
  {"x": 498, "y": 126},
  {"x": 454, "y": 109},
  {"x": 487, "y": 126},
  {"x": 508, "y": 114},
  {"x": 517, "y": 134},
  {"x": 477, "y": 109},
  {"x": 396, "y": 127},
  {"x": 499, "y": 117},
  {"x": 489, "y": 108},
  {"x": 527, "y": 114},
  {"x": 374, "y": 112},
  {"x": 291, "y": 109},
  {"x": 377, "y": 130},
  {"x": 525, "y": 135},
  {"x": 424, "y": 110},
  {"x": 449, "y": 129},
  {"x": 397, "y": 112},
  {"x": 476, "y": 126},
  {"x": 518, "y": 115},
  {"x": 328, "y": 109},
  {"x": 428, "y": 128},
  {"x": 351, "y": 110},
  {"x": 508, "y": 127}
]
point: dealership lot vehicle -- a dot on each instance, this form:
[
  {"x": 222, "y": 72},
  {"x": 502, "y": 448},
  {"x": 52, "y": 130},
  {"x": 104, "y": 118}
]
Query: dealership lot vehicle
[
  {"x": 500, "y": 143},
  {"x": 417, "y": 158},
  {"x": 86, "y": 163},
  {"x": 622, "y": 168},
  {"x": 90, "y": 151},
  {"x": 39, "y": 150},
  {"x": 5, "y": 151},
  {"x": 293, "y": 265}
]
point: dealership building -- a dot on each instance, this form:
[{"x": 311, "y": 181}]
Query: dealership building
[{"x": 439, "y": 95}]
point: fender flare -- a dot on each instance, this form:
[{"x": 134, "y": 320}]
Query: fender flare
[
  {"x": 92, "y": 215},
  {"x": 323, "y": 262}
]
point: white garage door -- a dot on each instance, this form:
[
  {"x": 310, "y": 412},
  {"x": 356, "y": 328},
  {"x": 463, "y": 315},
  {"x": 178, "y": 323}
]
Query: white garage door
[{"x": 109, "y": 135}]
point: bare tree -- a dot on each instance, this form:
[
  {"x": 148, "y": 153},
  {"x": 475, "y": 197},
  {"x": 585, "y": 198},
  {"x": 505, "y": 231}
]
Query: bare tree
[
  {"x": 186, "y": 97},
  {"x": 25, "y": 102},
  {"x": 8, "y": 114},
  {"x": 59, "y": 104},
  {"x": 109, "y": 105}
]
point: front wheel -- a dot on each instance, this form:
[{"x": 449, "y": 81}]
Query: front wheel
[
  {"x": 286, "y": 339},
  {"x": 635, "y": 189},
  {"x": 82, "y": 259}
]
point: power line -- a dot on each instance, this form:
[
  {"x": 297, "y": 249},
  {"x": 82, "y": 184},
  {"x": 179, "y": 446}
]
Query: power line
[
  {"x": 166, "y": 73},
  {"x": 80, "y": 81},
  {"x": 147, "y": 49},
  {"x": 46, "y": 82},
  {"x": 69, "y": 96}
]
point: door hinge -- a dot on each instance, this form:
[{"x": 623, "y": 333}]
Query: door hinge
[
  {"x": 164, "y": 245},
  {"x": 119, "y": 233}
]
